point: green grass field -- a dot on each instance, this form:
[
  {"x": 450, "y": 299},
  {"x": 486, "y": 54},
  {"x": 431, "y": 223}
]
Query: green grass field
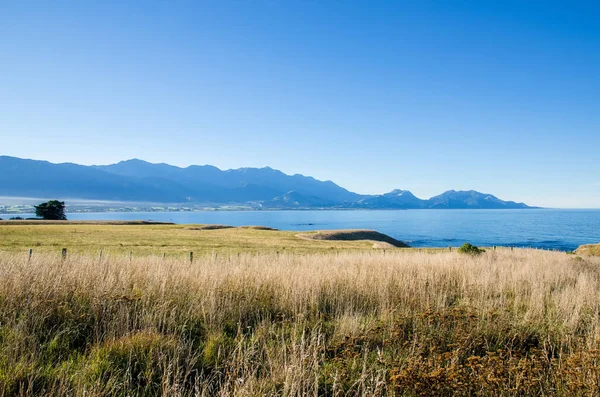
[{"x": 172, "y": 240}]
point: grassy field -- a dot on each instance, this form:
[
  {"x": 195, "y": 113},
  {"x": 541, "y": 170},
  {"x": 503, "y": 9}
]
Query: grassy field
[
  {"x": 263, "y": 312},
  {"x": 172, "y": 240},
  {"x": 361, "y": 323}
]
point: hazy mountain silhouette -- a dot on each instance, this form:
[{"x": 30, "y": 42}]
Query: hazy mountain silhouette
[
  {"x": 470, "y": 199},
  {"x": 140, "y": 181},
  {"x": 395, "y": 199}
]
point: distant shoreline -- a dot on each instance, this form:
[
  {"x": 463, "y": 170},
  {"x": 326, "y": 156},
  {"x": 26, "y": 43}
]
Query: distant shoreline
[{"x": 144, "y": 211}]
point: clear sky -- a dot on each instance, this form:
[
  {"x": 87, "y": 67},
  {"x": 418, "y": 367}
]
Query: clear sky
[{"x": 501, "y": 97}]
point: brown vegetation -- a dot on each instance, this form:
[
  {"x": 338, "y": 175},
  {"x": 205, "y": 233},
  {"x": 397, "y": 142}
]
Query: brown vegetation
[
  {"x": 590, "y": 249},
  {"x": 353, "y": 323}
]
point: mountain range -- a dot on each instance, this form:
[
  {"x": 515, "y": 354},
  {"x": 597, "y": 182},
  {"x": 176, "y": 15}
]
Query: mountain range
[{"x": 140, "y": 181}]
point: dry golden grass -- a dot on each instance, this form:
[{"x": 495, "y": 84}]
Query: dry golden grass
[{"x": 354, "y": 323}]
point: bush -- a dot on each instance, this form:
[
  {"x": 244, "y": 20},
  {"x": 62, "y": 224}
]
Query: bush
[{"x": 470, "y": 249}]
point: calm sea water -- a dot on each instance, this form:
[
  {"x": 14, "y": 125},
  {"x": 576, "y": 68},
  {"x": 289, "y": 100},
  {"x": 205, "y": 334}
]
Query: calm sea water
[{"x": 545, "y": 228}]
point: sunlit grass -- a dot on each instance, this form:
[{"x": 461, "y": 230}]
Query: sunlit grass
[
  {"x": 174, "y": 240},
  {"x": 350, "y": 323}
]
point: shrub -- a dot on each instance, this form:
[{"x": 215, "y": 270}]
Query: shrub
[{"x": 470, "y": 249}]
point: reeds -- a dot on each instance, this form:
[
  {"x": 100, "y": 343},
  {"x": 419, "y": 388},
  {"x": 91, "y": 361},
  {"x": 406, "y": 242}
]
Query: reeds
[{"x": 361, "y": 323}]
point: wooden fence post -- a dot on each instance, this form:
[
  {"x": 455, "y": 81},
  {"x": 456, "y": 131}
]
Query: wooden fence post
[
  {"x": 100, "y": 257},
  {"x": 64, "y": 253},
  {"x": 191, "y": 256},
  {"x": 30, "y": 253},
  {"x": 164, "y": 255}
]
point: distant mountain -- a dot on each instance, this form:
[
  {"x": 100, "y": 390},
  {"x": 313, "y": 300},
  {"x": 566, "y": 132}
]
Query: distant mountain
[
  {"x": 244, "y": 184},
  {"x": 139, "y": 181},
  {"x": 471, "y": 199},
  {"x": 294, "y": 199},
  {"x": 32, "y": 178},
  {"x": 402, "y": 199}
]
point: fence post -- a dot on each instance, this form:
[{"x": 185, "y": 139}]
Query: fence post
[
  {"x": 450, "y": 249},
  {"x": 100, "y": 257},
  {"x": 64, "y": 253},
  {"x": 164, "y": 255},
  {"x": 130, "y": 255},
  {"x": 30, "y": 253},
  {"x": 191, "y": 256}
]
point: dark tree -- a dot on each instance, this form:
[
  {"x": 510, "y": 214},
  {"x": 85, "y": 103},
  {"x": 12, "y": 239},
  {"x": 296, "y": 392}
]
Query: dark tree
[{"x": 52, "y": 210}]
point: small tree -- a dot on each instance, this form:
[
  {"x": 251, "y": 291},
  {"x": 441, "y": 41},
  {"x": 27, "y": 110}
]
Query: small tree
[
  {"x": 470, "y": 249},
  {"x": 52, "y": 210}
]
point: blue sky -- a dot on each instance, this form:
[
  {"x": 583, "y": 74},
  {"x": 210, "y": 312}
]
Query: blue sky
[{"x": 501, "y": 97}]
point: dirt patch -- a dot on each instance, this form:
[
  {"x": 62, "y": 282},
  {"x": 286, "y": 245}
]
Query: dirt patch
[
  {"x": 209, "y": 227},
  {"x": 380, "y": 240},
  {"x": 259, "y": 228},
  {"x": 217, "y": 227},
  {"x": 382, "y": 245}
]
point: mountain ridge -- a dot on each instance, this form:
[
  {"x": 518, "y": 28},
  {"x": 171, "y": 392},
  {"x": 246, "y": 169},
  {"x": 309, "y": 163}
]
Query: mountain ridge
[{"x": 139, "y": 180}]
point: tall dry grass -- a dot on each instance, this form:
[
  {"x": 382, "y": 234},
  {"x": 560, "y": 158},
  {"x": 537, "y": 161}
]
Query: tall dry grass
[{"x": 373, "y": 323}]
